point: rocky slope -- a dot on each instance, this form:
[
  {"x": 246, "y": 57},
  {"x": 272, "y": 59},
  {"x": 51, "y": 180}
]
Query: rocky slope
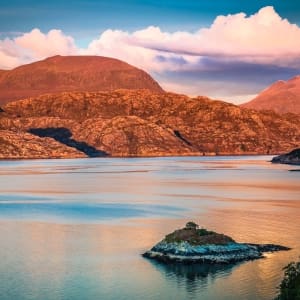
[
  {"x": 143, "y": 123},
  {"x": 194, "y": 245},
  {"x": 282, "y": 97},
  {"x": 72, "y": 73},
  {"x": 15, "y": 145}
]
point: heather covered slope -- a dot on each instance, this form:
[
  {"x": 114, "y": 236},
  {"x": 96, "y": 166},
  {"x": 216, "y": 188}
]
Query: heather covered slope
[
  {"x": 282, "y": 97},
  {"x": 70, "y": 74},
  {"x": 143, "y": 123}
]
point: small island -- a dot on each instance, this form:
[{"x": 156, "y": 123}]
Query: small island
[{"x": 199, "y": 245}]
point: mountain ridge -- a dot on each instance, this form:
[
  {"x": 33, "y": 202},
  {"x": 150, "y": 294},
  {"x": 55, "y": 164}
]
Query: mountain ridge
[
  {"x": 281, "y": 96},
  {"x": 143, "y": 123}
]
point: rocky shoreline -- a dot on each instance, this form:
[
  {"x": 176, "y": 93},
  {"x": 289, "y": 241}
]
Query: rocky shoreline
[
  {"x": 194, "y": 245},
  {"x": 291, "y": 158}
]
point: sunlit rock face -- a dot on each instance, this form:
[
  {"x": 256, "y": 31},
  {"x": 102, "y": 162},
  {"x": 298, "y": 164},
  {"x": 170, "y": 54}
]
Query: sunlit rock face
[
  {"x": 194, "y": 245},
  {"x": 144, "y": 123},
  {"x": 24, "y": 145}
]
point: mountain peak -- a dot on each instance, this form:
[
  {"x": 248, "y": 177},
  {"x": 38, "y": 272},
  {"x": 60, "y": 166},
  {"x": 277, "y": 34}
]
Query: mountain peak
[
  {"x": 72, "y": 73},
  {"x": 282, "y": 97}
]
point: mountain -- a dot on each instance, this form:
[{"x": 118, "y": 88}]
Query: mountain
[
  {"x": 2, "y": 72},
  {"x": 72, "y": 73},
  {"x": 139, "y": 123},
  {"x": 282, "y": 97}
]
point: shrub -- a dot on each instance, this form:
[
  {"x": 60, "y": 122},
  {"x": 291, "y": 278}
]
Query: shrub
[{"x": 289, "y": 288}]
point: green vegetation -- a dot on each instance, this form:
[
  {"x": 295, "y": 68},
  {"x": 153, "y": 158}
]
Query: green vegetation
[{"x": 289, "y": 289}]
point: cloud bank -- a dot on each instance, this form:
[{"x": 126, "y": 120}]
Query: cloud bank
[{"x": 233, "y": 43}]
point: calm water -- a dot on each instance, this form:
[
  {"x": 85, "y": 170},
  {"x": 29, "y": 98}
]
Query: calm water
[{"x": 75, "y": 229}]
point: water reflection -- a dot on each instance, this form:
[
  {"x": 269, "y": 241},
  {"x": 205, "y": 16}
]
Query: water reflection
[
  {"x": 88, "y": 212},
  {"x": 193, "y": 277}
]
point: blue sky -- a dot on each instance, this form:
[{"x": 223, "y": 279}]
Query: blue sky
[
  {"x": 85, "y": 19},
  {"x": 84, "y": 29}
]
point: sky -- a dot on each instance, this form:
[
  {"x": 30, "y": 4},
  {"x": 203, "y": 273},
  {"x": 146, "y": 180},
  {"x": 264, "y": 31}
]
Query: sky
[{"x": 224, "y": 49}]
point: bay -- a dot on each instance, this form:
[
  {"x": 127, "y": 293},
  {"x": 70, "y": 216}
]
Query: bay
[{"x": 75, "y": 229}]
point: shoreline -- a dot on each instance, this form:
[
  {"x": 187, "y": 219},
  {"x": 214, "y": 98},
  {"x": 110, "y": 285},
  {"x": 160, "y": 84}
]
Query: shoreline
[{"x": 134, "y": 156}]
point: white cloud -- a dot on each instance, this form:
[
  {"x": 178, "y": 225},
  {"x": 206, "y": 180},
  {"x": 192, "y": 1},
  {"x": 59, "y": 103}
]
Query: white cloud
[
  {"x": 41, "y": 45},
  {"x": 118, "y": 44},
  {"x": 262, "y": 39},
  {"x": 33, "y": 46}
]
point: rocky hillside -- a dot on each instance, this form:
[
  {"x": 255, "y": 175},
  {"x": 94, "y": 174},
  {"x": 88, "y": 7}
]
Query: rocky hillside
[
  {"x": 16, "y": 144},
  {"x": 72, "y": 73},
  {"x": 140, "y": 123},
  {"x": 282, "y": 97}
]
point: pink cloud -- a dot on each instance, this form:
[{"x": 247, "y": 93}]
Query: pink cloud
[
  {"x": 33, "y": 46},
  {"x": 41, "y": 45},
  {"x": 262, "y": 39}
]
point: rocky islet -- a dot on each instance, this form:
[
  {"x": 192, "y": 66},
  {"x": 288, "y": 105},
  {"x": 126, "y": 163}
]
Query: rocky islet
[{"x": 198, "y": 245}]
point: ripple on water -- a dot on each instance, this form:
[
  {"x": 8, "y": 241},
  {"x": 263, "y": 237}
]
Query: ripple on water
[{"x": 82, "y": 225}]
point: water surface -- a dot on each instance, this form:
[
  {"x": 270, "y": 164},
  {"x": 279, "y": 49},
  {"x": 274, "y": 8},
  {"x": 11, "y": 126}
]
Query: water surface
[{"x": 75, "y": 229}]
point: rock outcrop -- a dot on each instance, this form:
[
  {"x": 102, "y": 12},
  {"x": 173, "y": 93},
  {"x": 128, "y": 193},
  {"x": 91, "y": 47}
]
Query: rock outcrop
[
  {"x": 194, "y": 245},
  {"x": 281, "y": 97},
  {"x": 143, "y": 123},
  {"x": 291, "y": 158},
  {"x": 70, "y": 74}
]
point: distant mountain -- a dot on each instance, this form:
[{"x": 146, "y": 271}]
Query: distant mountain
[
  {"x": 71, "y": 74},
  {"x": 282, "y": 97},
  {"x": 2, "y": 72},
  {"x": 139, "y": 123}
]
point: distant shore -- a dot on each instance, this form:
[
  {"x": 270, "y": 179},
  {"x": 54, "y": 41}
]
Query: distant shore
[{"x": 136, "y": 156}]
